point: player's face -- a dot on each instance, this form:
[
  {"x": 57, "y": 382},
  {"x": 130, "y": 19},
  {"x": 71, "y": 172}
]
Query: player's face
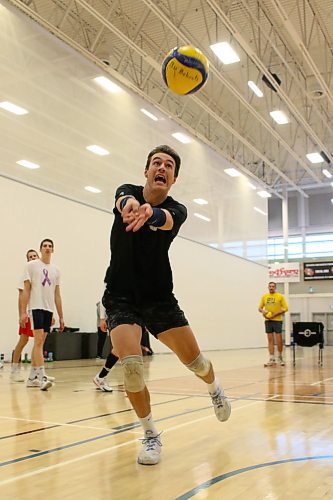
[
  {"x": 272, "y": 287},
  {"x": 161, "y": 171},
  {"x": 32, "y": 256},
  {"x": 47, "y": 248}
]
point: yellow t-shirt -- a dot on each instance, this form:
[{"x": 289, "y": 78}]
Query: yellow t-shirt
[{"x": 273, "y": 302}]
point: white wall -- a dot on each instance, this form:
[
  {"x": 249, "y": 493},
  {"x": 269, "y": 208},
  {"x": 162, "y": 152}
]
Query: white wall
[{"x": 219, "y": 292}]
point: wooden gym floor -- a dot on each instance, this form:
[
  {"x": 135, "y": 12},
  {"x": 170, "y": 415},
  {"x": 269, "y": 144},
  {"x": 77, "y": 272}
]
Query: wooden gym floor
[{"x": 76, "y": 442}]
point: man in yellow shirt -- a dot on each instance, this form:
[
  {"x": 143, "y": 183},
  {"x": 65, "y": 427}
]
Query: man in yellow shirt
[{"x": 272, "y": 306}]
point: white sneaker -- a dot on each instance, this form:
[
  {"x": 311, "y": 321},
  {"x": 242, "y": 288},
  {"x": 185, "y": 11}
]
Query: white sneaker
[
  {"x": 16, "y": 377},
  {"x": 34, "y": 382},
  {"x": 51, "y": 379},
  {"x": 270, "y": 362},
  {"x": 150, "y": 453},
  {"x": 1, "y": 365},
  {"x": 102, "y": 384},
  {"x": 45, "y": 384},
  {"x": 280, "y": 361},
  {"x": 222, "y": 406}
]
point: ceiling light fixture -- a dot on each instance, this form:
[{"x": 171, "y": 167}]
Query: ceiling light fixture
[
  {"x": 203, "y": 217},
  {"x": 315, "y": 157},
  {"x": 184, "y": 139},
  {"x": 13, "y": 108},
  {"x": 255, "y": 89},
  {"x": 150, "y": 115},
  {"x": 327, "y": 173},
  {"x": 279, "y": 116},
  {"x": 232, "y": 172},
  {"x": 28, "y": 164},
  {"x": 264, "y": 194},
  {"x": 98, "y": 150},
  {"x": 92, "y": 189},
  {"x": 200, "y": 201},
  {"x": 225, "y": 52},
  {"x": 107, "y": 84}
]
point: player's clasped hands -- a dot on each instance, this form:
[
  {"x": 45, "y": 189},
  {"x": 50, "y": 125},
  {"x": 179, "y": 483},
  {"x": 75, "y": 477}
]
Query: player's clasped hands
[{"x": 135, "y": 215}]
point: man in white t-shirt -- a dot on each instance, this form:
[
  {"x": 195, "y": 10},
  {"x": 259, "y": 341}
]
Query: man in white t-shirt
[{"x": 41, "y": 295}]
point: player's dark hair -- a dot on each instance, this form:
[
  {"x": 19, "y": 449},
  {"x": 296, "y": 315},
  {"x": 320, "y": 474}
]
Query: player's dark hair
[
  {"x": 272, "y": 283},
  {"x": 43, "y": 241},
  {"x": 167, "y": 150},
  {"x": 31, "y": 250}
]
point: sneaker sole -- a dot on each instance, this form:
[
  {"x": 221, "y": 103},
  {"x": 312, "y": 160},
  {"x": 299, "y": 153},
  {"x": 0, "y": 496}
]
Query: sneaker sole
[
  {"x": 145, "y": 463},
  {"x": 46, "y": 386}
]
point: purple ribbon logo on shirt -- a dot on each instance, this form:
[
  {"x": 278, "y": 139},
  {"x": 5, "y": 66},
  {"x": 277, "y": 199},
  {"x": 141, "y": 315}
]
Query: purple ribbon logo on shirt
[{"x": 46, "y": 278}]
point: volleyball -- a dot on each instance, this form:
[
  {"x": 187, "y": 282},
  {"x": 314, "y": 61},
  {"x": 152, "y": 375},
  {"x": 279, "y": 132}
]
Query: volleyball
[{"x": 185, "y": 70}]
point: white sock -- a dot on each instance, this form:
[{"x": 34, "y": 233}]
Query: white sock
[
  {"x": 214, "y": 387},
  {"x": 40, "y": 372},
  {"x": 15, "y": 367},
  {"x": 272, "y": 357},
  {"x": 33, "y": 373},
  {"x": 148, "y": 425}
]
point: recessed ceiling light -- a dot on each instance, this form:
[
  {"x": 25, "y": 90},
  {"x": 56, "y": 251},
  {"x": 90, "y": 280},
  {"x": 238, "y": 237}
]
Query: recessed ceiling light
[
  {"x": 107, "y": 84},
  {"x": 203, "y": 217},
  {"x": 98, "y": 150},
  {"x": 332, "y": 184},
  {"x": 181, "y": 137},
  {"x": 12, "y": 108},
  {"x": 260, "y": 211},
  {"x": 149, "y": 114},
  {"x": 331, "y": 200},
  {"x": 252, "y": 186},
  {"x": 92, "y": 189},
  {"x": 232, "y": 172},
  {"x": 327, "y": 173},
  {"x": 200, "y": 201},
  {"x": 225, "y": 52},
  {"x": 315, "y": 157},
  {"x": 28, "y": 164},
  {"x": 279, "y": 116},
  {"x": 255, "y": 89},
  {"x": 264, "y": 194}
]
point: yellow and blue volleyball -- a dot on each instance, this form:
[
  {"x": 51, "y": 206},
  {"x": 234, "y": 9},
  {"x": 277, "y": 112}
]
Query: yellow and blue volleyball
[{"x": 185, "y": 70}]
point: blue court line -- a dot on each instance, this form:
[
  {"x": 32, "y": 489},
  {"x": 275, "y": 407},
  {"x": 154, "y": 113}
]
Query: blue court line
[
  {"x": 236, "y": 472},
  {"x": 85, "y": 419},
  {"x": 120, "y": 429}
]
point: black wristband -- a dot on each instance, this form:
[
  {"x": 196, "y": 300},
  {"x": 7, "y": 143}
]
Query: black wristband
[
  {"x": 123, "y": 202},
  {"x": 158, "y": 218}
]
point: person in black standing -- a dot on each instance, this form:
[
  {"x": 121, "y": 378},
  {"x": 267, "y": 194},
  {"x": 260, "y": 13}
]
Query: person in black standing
[{"x": 139, "y": 290}]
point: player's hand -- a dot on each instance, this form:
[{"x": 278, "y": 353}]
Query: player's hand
[
  {"x": 144, "y": 213},
  {"x": 103, "y": 326},
  {"x": 61, "y": 325},
  {"x": 23, "y": 320},
  {"x": 53, "y": 321},
  {"x": 130, "y": 211}
]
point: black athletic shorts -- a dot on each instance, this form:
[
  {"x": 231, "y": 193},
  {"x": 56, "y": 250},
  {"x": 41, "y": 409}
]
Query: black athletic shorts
[
  {"x": 273, "y": 326},
  {"x": 41, "y": 320},
  {"x": 157, "y": 316}
]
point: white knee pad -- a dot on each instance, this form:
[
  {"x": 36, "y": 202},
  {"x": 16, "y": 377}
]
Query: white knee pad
[
  {"x": 200, "y": 366},
  {"x": 133, "y": 373}
]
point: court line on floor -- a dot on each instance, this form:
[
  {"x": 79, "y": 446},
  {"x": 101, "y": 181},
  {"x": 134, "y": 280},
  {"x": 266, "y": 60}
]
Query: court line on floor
[
  {"x": 222, "y": 477},
  {"x": 52, "y": 425},
  {"x": 93, "y": 454}
]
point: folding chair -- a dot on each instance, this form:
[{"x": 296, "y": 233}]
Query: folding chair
[{"x": 308, "y": 334}]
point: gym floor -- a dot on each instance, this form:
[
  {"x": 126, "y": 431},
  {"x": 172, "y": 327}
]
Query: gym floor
[{"x": 75, "y": 441}]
